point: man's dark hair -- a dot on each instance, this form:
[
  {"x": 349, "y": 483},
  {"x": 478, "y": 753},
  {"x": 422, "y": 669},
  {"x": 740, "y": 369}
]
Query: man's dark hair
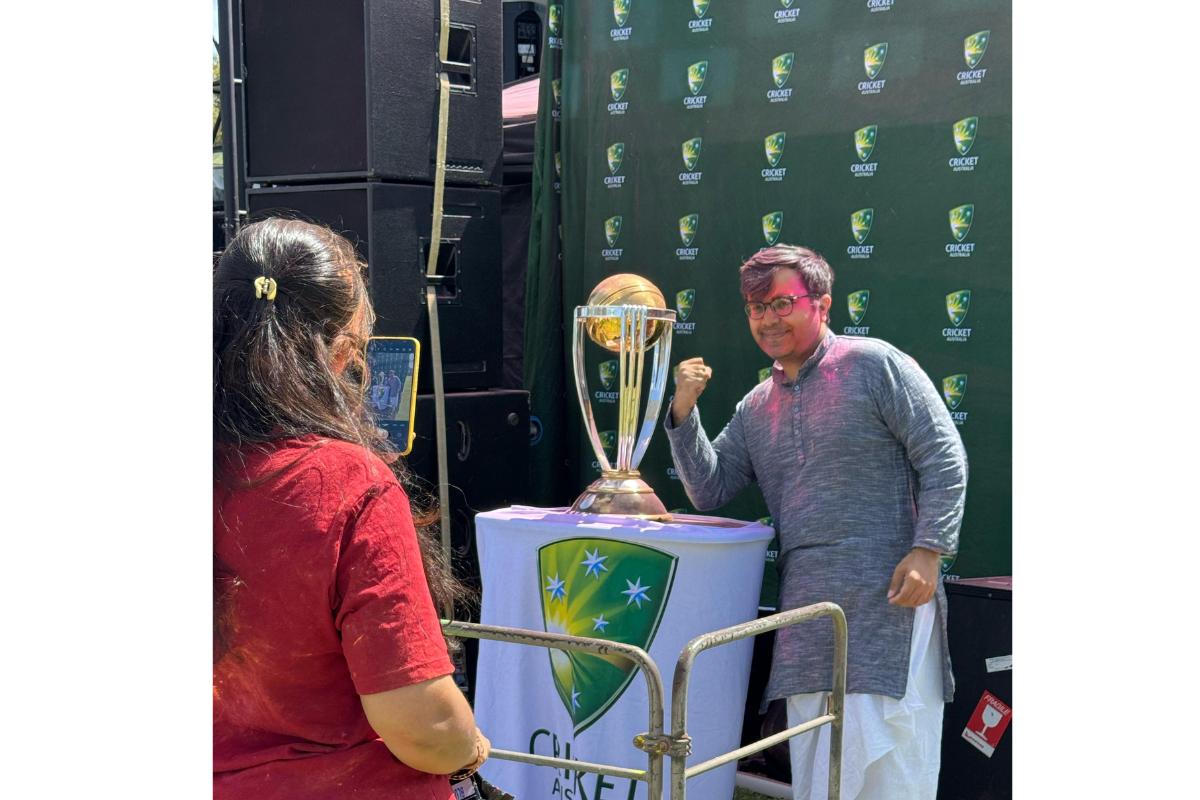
[{"x": 757, "y": 274}]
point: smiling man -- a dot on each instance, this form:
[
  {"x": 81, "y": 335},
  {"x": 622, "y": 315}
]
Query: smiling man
[{"x": 865, "y": 475}]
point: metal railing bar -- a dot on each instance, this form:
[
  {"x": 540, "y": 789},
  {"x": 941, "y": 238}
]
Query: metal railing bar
[
  {"x": 755, "y": 747},
  {"x": 574, "y": 766}
]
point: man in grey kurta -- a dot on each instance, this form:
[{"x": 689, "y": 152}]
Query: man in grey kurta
[{"x": 861, "y": 468}]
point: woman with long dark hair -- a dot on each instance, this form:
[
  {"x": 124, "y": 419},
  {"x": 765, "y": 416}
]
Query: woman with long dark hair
[{"x": 331, "y": 677}]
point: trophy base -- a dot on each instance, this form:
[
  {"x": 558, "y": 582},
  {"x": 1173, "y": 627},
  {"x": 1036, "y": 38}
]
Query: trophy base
[{"x": 623, "y": 494}]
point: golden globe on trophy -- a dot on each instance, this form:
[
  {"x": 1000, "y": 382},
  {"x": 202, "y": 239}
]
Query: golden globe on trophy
[{"x": 627, "y": 315}]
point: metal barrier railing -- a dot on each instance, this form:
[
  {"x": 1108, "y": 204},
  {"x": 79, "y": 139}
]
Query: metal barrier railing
[
  {"x": 649, "y": 742},
  {"x": 834, "y": 717}
]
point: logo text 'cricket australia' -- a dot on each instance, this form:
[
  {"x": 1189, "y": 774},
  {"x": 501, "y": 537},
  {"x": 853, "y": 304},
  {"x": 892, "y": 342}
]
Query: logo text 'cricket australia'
[
  {"x": 685, "y": 303},
  {"x": 954, "y": 389},
  {"x": 606, "y": 589},
  {"x": 612, "y": 232},
  {"x": 615, "y": 154},
  {"x": 787, "y": 13},
  {"x": 772, "y": 227},
  {"x": 609, "y": 374},
  {"x": 860, "y": 229},
  {"x": 554, "y": 23},
  {"x": 688, "y": 225},
  {"x": 856, "y": 304},
  {"x": 691, "y": 157},
  {"x": 964, "y": 139},
  {"x": 958, "y": 303},
  {"x": 873, "y": 59},
  {"x": 961, "y": 220},
  {"x": 864, "y": 146},
  {"x": 618, "y": 82},
  {"x": 701, "y": 23},
  {"x": 781, "y": 70},
  {"x": 974, "y": 46},
  {"x": 773, "y": 149},
  {"x": 620, "y": 10},
  {"x": 875, "y": 6},
  {"x": 696, "y": 73}
]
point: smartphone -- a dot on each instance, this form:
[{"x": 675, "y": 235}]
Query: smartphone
[{"x": 392, "y": 389}]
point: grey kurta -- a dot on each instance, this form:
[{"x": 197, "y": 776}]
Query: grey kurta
[{"x": 858, "y": 461}]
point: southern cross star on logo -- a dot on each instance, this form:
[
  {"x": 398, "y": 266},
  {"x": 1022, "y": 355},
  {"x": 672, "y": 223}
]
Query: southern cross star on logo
[
  {"x": 617, "y": 83},
  {"x": 961, "y": 219},
  {"x": 610, "y": 589},
  {"x": 964, "y": 134},
  {"x": 608, "y": 374},
  {"x": 612, "y": 230},
  {"x": 864, "y": 141},
  {"x": 773, "y": 146},
  {"x": 856, "y": 304},
  {"x": 699, "y": 8},
  {"x": 957, "y": 305},
  {"x": 860, "y": 224},
  {"x": 974, "y": 46},
  {"x": 615, "y": 154},
  {"x": 873, "y": 58},
  {"x": 781, "y": 68},
  {"x": 687, "y": 228},
  {"x": 954, "y": 388},
  {"x": 772, "y": 226},
  {"x": 685, "y": 301},
  {"x": 691, "y": 153},
  {"x": 696, "y": 73}
]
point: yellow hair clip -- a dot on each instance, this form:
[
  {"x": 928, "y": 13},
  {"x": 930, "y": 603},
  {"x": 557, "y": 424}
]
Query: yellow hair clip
[{"x": 264, "y": 285}]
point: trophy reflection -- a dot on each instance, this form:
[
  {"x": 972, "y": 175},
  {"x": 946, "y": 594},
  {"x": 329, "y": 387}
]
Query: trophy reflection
[{"x": 627, "y": 315}]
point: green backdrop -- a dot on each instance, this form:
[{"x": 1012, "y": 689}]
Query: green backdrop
[{"x": 677, "y": 138}]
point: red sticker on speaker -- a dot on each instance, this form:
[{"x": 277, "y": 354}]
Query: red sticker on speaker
[{"x": 988, "y": 724}]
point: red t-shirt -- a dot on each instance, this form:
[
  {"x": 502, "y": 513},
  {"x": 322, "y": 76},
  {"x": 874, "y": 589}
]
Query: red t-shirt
[{"x": 334, "y": 605}]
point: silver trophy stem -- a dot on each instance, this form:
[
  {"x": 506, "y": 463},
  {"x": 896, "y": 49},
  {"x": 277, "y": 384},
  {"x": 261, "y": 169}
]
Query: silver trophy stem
[{"x": 585, "y": 402}]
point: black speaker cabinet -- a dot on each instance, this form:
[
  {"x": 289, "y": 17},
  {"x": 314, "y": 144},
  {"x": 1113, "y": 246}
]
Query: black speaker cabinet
[
  {"x": 345, "y": 89},
  {"x": 390, "y": 223},
  {"x": 980, "y": 631}
]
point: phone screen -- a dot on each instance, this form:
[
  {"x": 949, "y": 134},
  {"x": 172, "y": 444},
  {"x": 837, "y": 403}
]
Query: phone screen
[{"x": 392, "y": 391}]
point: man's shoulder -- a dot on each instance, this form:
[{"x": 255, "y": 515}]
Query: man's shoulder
[{"x": 865, "y": 349}]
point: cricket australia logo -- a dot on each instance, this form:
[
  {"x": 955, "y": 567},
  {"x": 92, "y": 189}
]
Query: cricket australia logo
[
  {"x": 608, "y": 443},
  {"x": 612, "y": 232},
  {"x": 974, "y": 46},
  {"x": 554, "y": 23},
  {"x": 958, "y": 303},
  {"x": 964, "y": 139},
  {"x": 873, "y": 60},
  {"x": 954, "y": 389},
  {"x": 556, "y": 95},
  {"x": 856, "y": 304},
  {"x": 557, "y": 171},
  {"x": 615, "y": 155},
  {"x": 700, "y": 24},
  {"x": 685, "y": 302},
  {"x": 688, "y": 226},
  {"x": 781, "y": 70},
  {"x": 691, "y": 157},
  {"x": 773, "y": 149},
  {"x": 787, "y": 13},
  {"x": 961, "y": 220},
  {"x": 608, "y": 379},
  {"x": 860, "y": 229},
  {"x": 772, "y": 227},
  {"x": 864, "y": 146},
  {"x": 621, "y": 32},
  {"x": 617, "y": 83},
  {"x": 696, "y": 75},
  {"x": 606, "y": 589},
  {"x": 875, "y": 6}
]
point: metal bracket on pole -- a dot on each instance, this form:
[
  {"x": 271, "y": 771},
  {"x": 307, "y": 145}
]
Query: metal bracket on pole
[{"x": 664, "y": 745}]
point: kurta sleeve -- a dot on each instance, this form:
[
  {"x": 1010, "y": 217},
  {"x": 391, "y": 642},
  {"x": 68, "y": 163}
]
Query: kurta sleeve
[{"x": 712, "y": 472}]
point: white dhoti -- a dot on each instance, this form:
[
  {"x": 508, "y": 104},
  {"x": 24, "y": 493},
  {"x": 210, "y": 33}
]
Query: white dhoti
[{"x": 891, "y": 749}]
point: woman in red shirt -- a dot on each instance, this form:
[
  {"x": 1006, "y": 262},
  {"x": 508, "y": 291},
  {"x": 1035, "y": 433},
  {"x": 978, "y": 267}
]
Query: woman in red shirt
[{"x": 331, "y": 677}]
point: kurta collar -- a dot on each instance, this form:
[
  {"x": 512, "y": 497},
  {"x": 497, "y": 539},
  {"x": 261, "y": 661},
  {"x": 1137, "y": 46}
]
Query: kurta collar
[{"x": 780, "y": 377}]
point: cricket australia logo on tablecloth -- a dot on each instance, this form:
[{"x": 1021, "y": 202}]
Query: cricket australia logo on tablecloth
[
  {"x": 554, "y": 22},
  {"x": 700, "y": 24},
  {"x": 608, "y": 380},
  {"x": 621, "y": 32},
  {"x": 688, "y": 225},
  {"x": 617, "y": 83},
  {"x": 615, "y": 154},
  {"x": 864, "y": 146},
  {"x": 964, "y": 139},
  {"x": 873, "y": 60},
  {"x": 604, "y": 589},
  {"x": 772, "y": 227},
  {"x": 856, "y": 304},
  {"x": 954, "y": 389},
  {"x": 860, "y": 229},
  {"x": 974, "y": 46},
  {"x": 781, "y": 69},
  {"x": 787, "y": 13},
  {"x": 612, "y": 232},
  {"x": 958, "y": 303},
  {"x": 773, "y": 149},
  {"x": 696, "y": 74},
  {"x": 691, "y": 157},
  {"x": 685, "y": 302},
  {"x": 961, "y": 220}
]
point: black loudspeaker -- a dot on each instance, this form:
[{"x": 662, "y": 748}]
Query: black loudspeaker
[
  {"x": 980, "y": 632},
  {"x": 390, "y": 224},
  {"x": 346, "y": 89}
]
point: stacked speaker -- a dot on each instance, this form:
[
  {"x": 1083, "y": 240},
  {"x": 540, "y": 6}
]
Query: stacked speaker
[{"x": 338, "y": 124}]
